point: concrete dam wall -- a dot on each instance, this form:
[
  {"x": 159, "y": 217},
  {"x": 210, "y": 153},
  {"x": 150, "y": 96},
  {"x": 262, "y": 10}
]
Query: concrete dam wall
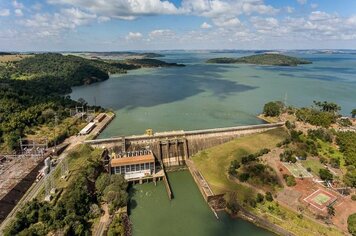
[{"x": 173, "y": 148}]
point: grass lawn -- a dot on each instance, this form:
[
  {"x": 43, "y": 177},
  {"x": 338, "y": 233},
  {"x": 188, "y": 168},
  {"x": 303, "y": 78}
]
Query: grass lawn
[
  {"x": 289, "y": 220},
  {"x": 314, "y": 164},
  {"x": 214, "y": 162},
  {"x": 328, "y": 151}
]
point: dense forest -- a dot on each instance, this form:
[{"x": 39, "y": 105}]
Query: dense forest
[
  {"x": 262, "y": 59},
  {"x": 36, "y": 84}
]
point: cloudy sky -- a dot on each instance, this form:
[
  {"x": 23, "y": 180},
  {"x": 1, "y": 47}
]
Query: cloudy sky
[{"x": 104, "y": 25}]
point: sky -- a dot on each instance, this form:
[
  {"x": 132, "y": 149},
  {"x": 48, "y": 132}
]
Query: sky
[{"x": 122, "y": 25}]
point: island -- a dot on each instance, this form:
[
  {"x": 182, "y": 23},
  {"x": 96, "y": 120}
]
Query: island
[
  {"x": 150, "y": 63},
  {"x": 270, "y": 59}
]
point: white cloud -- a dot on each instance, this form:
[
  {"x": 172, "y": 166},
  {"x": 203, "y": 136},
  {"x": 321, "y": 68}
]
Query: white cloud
[
  {"x": 230, "y": 22},
  {"x": 314, "y": 6},
  {"x": 302, "y": 2},
  {"x": 4, "y": 12},
  {"x": 18, "y": 12},
  {"x": 103, "y": 19},
  {"x": 122, "y": 9},
  {"x": 252, "y": 7},
  {"x": 205, "y": 26},
  {"x": 131, "y": 9},
  {"x": 44, "y": 25},
  {"x": 17, "y": 4},
  {"x": 290, "y": 9},
  {"x": 134, "y": 36},
  {"x": 163, "y": 34},
  {"x": 37, "y": 6}
]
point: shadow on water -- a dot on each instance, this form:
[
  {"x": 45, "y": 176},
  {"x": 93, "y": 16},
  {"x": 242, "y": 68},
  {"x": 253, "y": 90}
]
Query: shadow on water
[
  {"x": 317, "y": 77},
  {"x": 309, "y": 69},
  {"x": 164, "y": 85}
]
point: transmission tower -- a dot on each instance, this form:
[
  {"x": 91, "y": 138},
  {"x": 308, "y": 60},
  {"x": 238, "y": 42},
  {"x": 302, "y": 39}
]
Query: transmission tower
[{"x": 64, "y": 168}]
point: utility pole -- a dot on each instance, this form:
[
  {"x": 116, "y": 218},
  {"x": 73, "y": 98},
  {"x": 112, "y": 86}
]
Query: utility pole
[{"x": 55, "y": 133}]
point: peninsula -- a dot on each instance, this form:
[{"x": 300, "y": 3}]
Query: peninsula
[{"x": 262, "y": 59}]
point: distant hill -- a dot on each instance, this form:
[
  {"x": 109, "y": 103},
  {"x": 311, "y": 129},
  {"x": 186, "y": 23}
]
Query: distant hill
[
  {"x": 262, "y": 59},
  {"x": 5, "y": 53},
  {"x": 74, "y": 70},
  {"x": 119, "y": 55},
  {"x": 150, "y": 63}
]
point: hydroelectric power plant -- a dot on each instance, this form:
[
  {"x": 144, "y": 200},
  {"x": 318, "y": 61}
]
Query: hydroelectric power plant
[{"x": 146, "y": 157}]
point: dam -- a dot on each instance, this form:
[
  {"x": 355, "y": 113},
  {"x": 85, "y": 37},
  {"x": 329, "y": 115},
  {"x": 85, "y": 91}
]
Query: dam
[
  {"x": 174, "y": 147},
  {"x": 147, "y": 157}
]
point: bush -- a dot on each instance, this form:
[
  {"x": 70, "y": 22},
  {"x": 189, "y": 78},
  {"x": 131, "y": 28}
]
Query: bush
[
  {"x": 252, "y": 203},
  {"x": 116, "y": 227},
  {"x": 244, "y": 177},
  {"x": 232, "y": 171},
  {"x": 290, "y": 125},
  {"x": 295, "y": 135},
  {"x": 309, "y": 169},
  {"x": 259, "y": 198},
  {"x": 351, "y": 224},
  {"x": 353, "y": 197},
  {"x": 335, "y": 163},
  {"x": 269, "y": 196},
  {"x": 325, "y": 175},
  {"x": 287, "y": 156},
  {"x": 248, "y": 158},
  {"x": 321, "y": 134},
  {"x": 290, "y": 180},
  {"x": 345, "y": 122},
  {"x": 273, "y": 108},
  {"x": 315, "y": 117},
  {"x": 231, "y": 202}
]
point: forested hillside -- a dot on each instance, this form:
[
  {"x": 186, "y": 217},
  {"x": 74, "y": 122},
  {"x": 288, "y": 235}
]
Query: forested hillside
[{"x": 32, "y": 90}]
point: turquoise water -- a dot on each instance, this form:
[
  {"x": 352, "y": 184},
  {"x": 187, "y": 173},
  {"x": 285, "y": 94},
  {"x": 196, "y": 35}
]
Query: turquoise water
[
  {"x": 153, "y": 214},
  {"x": 208, "y": 95}
]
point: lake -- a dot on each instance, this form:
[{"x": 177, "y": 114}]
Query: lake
[{"x": 204, "y": 95}]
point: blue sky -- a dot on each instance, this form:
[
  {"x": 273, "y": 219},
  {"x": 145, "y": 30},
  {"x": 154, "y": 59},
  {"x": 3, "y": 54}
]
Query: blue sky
[{"x": 105, "y": 25}]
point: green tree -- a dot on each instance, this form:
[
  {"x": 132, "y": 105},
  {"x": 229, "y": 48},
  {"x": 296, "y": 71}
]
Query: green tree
[
  {"x": 117, "y": 227},
  {"x": 269, "y": 196},
  {"x": 259, "y": 198},
  {"x": 101, "y": 183},
  {"x": 273, "y": 108},
  {"x": 325, "y": 175},
  {"x": 231, "y": 202},
  {"x": 351, "y": 224},
  {"x": 328, "y": 106}
]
